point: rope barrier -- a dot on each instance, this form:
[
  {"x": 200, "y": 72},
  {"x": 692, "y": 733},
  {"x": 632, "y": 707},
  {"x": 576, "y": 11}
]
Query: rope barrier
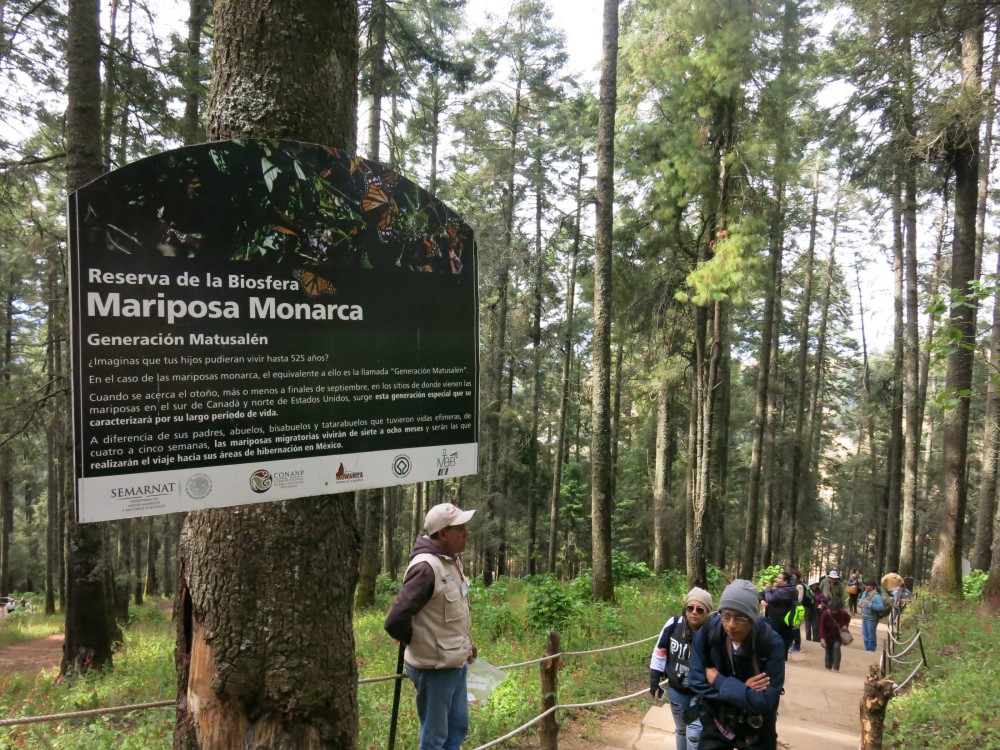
[
  {"x": 85, "y": 714},
  {"x": 365, "y": 681},
  {"x": 542, "y": 715}
]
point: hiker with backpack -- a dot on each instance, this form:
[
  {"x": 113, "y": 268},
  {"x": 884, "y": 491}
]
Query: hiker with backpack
[
  {"x": 873, "y": 608},
  {"x": 815, "y": 604},
  {"x": 782, "y": 598},
  {"x": 805, "y": 601},
  {"x": 671, "y": 657},
  {"x": 738, "y": 671},
  {"x": 832, "y": 588}
]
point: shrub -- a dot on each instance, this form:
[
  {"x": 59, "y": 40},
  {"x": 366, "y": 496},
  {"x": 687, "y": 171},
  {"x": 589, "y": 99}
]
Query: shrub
[
  {"x": 972, "y": 584},
  {"x": 624, "y": 569}
]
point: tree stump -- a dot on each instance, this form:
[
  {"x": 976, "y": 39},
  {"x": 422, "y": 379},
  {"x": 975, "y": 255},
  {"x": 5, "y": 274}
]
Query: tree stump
[{"x": 878, "y": 693}]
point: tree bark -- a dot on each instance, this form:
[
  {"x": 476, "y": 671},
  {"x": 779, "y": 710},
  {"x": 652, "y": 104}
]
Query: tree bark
[
  {"x": 878, "y": 693},
  {"x": 265, "y": 647},
  {"x": 90, "y": 630},
  {"x": 600, "y": 458},
  {"x": 946, "y": 572}
]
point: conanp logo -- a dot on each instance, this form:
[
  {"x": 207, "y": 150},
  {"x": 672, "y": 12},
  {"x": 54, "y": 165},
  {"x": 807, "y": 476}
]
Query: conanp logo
[{"x": 260, "y": 480}]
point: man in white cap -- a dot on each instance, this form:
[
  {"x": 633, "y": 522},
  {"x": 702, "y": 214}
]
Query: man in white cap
[{"x": 431, "y": 616}]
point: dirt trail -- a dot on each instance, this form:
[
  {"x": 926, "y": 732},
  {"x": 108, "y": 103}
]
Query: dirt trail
[
  {"x": 29, "y": 657},
  {"x": 819, "y": 709}
]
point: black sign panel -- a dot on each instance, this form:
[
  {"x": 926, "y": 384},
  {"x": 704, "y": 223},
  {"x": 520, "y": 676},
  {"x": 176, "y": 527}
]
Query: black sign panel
[{"x": 263, "y": 320}]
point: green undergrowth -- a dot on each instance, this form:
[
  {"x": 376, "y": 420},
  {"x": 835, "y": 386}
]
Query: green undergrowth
[
  {"x": 143, "y": 672},
  {"x": 28, "y": 623},
  {"x": 955, "y": 702}
]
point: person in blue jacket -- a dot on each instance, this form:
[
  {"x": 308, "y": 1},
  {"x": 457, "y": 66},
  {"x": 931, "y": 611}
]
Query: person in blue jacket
[
  {"x": 872, "y": 606},
  {"x": 737, "y": 669}
]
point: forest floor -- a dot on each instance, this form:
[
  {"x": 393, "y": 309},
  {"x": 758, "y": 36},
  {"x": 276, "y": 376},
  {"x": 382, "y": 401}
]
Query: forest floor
[
  {"x": 32, "y": 656},
  {"x": 820, "y": 708}
]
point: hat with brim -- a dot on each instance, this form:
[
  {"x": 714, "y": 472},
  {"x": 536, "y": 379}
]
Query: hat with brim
[
  {"x": 446, "y": 514},
  {"x": 833, "y": 575}
]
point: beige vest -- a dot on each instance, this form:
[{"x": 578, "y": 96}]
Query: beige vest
[{"x": 441, "y": 630}]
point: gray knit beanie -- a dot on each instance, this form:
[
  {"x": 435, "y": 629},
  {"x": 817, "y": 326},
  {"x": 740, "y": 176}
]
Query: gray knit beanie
[
  {"x": 701, "y": 596},
  {"x": 740, "y": 596}
]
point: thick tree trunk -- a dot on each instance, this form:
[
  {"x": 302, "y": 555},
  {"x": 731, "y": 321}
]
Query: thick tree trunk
[
  {"x": 887, "y": 547},
  {"x": 265, "y": 648}
]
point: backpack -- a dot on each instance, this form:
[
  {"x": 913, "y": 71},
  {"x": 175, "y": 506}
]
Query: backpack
[
  {"x": 808, "y": 598},
  {"x": 879, "y": 612},
  {"x": 795, "y": 616}
]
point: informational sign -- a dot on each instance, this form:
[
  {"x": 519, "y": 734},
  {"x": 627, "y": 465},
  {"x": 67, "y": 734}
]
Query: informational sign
[{"x": 265, "y": 320}]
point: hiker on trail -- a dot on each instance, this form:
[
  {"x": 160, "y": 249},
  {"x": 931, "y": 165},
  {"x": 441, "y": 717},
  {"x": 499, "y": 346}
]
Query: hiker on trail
[
  {"x": 431, "y": 616},
  {"x": 833, "y": 588},
  {"x": 738, "y": 671},
  {"x": 782, "y": 598},
  {"x": 806, "y": 602},
  {"x": 835, "y": 618},
  {"x": 814, "y": 612},
  {"x": 671, "y": 657},
  {"x": 872, "y": 606},
  {"x": 854, "y": 585}
]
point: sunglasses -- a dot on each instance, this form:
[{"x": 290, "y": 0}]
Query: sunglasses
[
  {"x": 736, "y": 619},
  {"x": 693, "y": 608}
]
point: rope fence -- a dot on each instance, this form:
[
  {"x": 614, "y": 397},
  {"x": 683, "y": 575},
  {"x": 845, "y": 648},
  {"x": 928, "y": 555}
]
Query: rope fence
[
  {"x": 89, "y": 713},
  {"x": 897, "y": 649}
]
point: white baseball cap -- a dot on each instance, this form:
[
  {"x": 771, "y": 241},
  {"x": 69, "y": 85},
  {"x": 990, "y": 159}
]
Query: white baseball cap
[{"x": 444, "y": 515}]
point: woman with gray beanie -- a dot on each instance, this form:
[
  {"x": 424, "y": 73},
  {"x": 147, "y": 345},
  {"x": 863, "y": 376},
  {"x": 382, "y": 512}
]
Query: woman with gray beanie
[
  {"x": 671, "y": 656},
  {"x": 738, "y": 670}
]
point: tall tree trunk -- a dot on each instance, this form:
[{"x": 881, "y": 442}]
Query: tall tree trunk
[
  {"x": 378, "y": 10},
  {"x": 815, "y": 416},
  {"x": 566, "y": 347},
  {"x": 370, "y": 520},
  {"x": 800, "y": 447},
  {"x": 661, "y": 474},
  {"x": 90, "y": 629},
  {"x": 600, "y": 447},
  {"x": 536, "y": 361},
  {"x": 254, "y": 672},
  {"x": 889, "y": 525},
  {"x": 982, "y": 547},
  {"x": 946, "y": 573}
]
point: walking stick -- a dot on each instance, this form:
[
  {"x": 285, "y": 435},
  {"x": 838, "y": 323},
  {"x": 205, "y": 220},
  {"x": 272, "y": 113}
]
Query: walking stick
[{"x": 395, "y": 697}]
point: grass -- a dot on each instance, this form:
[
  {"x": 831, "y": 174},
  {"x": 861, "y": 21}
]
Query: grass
[{"x": 955, "y": 703}]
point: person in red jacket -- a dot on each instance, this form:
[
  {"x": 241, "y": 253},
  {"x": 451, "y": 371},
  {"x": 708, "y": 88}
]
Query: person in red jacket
[{"x": 831, "y": 622}]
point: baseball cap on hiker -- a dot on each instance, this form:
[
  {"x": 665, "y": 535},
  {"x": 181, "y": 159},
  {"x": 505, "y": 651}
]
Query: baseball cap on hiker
[{"x": 444, "y": 515}]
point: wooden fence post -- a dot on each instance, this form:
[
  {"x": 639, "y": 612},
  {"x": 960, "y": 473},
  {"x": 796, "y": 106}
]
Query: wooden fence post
[
  {"x": 878, "y": 692},
  {"x": 548, "y": 731}
]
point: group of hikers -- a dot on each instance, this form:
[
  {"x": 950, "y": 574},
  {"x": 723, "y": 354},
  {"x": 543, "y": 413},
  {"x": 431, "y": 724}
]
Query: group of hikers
[
  {"x": 725, "y": 672},
  {"x": 723, "y": 667}
]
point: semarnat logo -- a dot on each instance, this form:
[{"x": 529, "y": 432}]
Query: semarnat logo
[
  {"x": 145, "y": 490},
  {"x": 349, "y": 476},
  {"x": 260, "y": 480}
]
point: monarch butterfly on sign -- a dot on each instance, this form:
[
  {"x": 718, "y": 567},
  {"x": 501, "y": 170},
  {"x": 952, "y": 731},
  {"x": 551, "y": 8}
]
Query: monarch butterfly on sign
[
  {"x": 379, "y": 199},
  {"x": 313, "y": 284}
]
